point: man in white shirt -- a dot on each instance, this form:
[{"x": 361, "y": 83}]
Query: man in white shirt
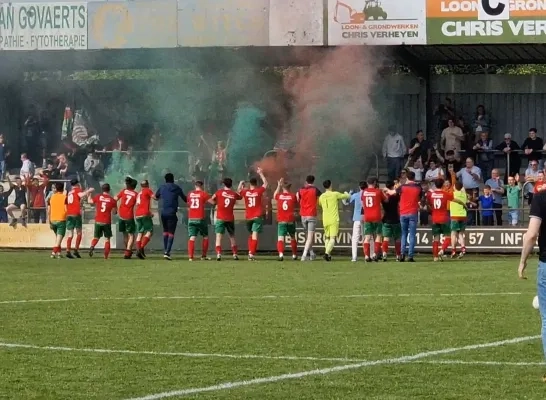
[
  {"x": 394, "y": 150},
  {"x": 27, "y": 169},
  {"x": 452, "y": 137}
]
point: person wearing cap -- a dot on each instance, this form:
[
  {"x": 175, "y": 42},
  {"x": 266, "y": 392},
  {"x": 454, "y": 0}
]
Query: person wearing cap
[
  {"x": 513, "y": 159},
  {"x": 394, "y": 150}
]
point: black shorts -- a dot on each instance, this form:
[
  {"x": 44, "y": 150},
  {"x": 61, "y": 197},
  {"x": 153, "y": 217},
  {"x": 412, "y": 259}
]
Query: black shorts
[{"x": 169, "y": 223}]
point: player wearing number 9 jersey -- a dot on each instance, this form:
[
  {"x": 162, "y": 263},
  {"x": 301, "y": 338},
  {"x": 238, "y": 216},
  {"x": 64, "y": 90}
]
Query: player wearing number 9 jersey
[
  {"x": 143, "y": 218},
  {"x": 225, "y": 200},
  {"x": 253, "y": 198},
  {"x": 104, "y": 206},
  {"x": 74, "y": 217},
  {"x": 286, "y": 205},
  {"x": 197, "y": 224},
  {"x": 127, "y": 199}
]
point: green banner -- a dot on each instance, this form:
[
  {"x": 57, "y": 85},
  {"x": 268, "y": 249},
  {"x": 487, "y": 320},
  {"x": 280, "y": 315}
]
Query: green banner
[{"x": 472, "y": 31}]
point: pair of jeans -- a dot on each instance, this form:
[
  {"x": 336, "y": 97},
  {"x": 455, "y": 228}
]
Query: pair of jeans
[
  {"x": 498, "y": 213},
  {"x": 541, "y": 292},
  {"x": 409, "y": 227},
  {"x": 394, "y": 167}
]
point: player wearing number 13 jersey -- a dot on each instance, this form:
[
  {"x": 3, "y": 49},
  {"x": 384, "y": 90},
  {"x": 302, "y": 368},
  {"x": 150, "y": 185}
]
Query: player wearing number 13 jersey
[
  {"x": 127, "y": 200},
  {"x": 225, "y": 200},
  {"x": 253, "y": 198},
  {"x": 104, "y": 206},
  {"x": 197, "y": 225},
  {"x": 372, "y": 197},
  {"x": 286, "y": 205}
]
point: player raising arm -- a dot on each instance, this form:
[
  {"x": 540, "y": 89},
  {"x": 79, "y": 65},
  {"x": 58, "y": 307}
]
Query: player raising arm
[
  {"x": 74, "y": 217},
  {"x": 197, "y": 225},
  {"x": 127, "y": 199},
  {"x": 144, "y": 222},
  {"x": 286, "y": 205},
  {"x": 56, "y": 210},
  {"x": 253, "y": 198},
  {"x": 105, "y": 205},
  {"x": 225, "y": 200},
  {"x": 372, "y": 197},
  {"x": 308, "y": 198},
  {"x": 329, "y": 202}
]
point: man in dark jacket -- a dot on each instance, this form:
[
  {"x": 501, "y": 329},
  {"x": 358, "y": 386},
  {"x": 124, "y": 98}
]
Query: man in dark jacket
[{"x": 513, "y": 159}]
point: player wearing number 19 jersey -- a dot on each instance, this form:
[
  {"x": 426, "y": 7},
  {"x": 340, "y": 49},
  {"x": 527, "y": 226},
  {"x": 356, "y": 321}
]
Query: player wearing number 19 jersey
[
  {"x": 286, "y": 205},
  {"x": 127, "y": 199},
  {"x": 104, "y": 206},
  {"x": 438, "y": 201},
  {"x": 197, "y": 225},
  {"x": 372, "y": 198},
  {"x": 253, "y": 198},
  {"x": 225, "y": 200}
]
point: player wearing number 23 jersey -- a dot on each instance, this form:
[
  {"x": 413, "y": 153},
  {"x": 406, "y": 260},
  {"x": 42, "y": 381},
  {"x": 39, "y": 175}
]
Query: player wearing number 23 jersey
[{"x": 197, "y": 225}]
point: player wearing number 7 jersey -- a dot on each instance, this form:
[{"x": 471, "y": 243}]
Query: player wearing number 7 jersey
[
  {"x": 197, "y": 225},
  {"x": 126, "y": 224},
  {"x": 104, "y": 206},
  {"x": 253, "y": 198},
  {"x": 74, "y": 217},
  {"x": 225, "y": 200},
  {"x": 286, "y": 204}
]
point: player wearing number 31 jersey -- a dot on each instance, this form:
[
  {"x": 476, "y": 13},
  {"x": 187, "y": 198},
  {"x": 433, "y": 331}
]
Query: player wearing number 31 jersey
[
  {"x": 225, "y": 200},
  {"x": 197, "y": 225},
  {"x": 253, "y": 198},
  {"x": 104, "y": 206}
]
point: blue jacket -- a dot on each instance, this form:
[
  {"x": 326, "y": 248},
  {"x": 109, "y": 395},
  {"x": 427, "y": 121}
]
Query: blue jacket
[{"x": 168, "y": 194}]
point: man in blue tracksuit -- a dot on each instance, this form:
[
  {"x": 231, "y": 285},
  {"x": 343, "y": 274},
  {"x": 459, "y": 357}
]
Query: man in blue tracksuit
[{"x": 168, "y": 194}]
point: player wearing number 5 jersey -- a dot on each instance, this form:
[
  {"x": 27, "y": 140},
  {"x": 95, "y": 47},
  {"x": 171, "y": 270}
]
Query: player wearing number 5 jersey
[
  {"x": 197, "y": 225},
  {"x": 225, "y": 200},
  {"x": 253, "y": 198},
  {"x": 143, "y": 218},
  {"x": 372, "y": 197},
  {"x": 74, "y": 217},
  {"x": 286, "y": 205},
  {"x": 104, "y": 206},
  {"x": 127, "y": 199},
  {"x": 329, "y": 202}
]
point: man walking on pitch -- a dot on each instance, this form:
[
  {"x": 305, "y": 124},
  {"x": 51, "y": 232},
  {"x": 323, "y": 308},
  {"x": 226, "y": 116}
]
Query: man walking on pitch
[
  {"x": 74, "y": 217},
  {"x": 410, "y": 196},
  {"x": 329, "y": 202},
  {"x": 225, "y": 200},
  {"x": 197, "y": 225},
  {"x": 308, "y": 198},
  {"x": 168, "y": 194},
  {"x": 144, "y": 222},
  {"x": 391, "y": 223},
  {"x": 253, "y": 198},
  {"x": 537, "y": 230},
  {"x": 286, "y": 206},
  {"x": 372, "y": 197},
  {"x": 57, "y": 218},
  {"x": 105, "y": 205},
  {"x": 126, "y": 224}
]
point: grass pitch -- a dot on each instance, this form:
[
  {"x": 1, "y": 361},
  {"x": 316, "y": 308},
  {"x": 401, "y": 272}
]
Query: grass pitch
[{"x": 125, "y": 329}]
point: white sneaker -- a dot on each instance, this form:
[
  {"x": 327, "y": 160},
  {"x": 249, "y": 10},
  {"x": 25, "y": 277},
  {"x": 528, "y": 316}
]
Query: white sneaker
[
  {"x": 353, "y": 259},
  {"x": 303, "y": 258},
  {"x": 313, "y": 257}
]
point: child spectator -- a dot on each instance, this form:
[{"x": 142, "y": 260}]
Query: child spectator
[
  {"x": 473, "y": 205},
  {"x": 417, "y": 169},
  {"x": 434, "y": 172},
  {"x": 486, "y": 203},
  {"x": 513, "y": 195}
]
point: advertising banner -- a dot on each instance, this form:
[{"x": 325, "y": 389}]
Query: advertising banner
[
  {"x": 485, "y": 21},
  {"x": 40, "y": 236},
  {"x": 386, "y": 22},
  {"x": 43, "y": 26},
  {"x": 133, "y": 24}
]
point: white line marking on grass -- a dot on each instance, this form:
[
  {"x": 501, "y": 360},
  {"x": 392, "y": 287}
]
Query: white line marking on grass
[
  {"x": 493, "y": 363},
  {"x": 325, "y": 371},
  {"x": 265, "y": 297}
]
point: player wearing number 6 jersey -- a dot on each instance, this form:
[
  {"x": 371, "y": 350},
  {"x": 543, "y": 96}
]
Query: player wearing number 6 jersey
[
  {"x": 225, "y": 200},
  {"x": 197, "y": 225},
  {"x": 286, "y": 205},
  {"x": 104, "y": 206},
  {"x": 253, "y": 198},
  {"x": 143, "y": 218},
  {"x": 74, "y": 217},
  {"x": 127, "y": 199}
]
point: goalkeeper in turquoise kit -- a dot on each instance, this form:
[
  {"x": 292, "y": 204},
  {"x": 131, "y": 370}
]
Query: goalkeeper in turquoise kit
[{"x": 329, "y": 202}]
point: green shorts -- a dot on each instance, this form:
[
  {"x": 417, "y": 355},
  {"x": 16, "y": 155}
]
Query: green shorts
[
  {"x": 127, "y": 226},
  {"x": 144, "y": 224},
  {"x": 198, "y": 227},
  {"x": 59, "y": 228},
  {"x": 458, "y": 226},
  {"x": 392, "y": 231},
  {"x": 102, "y": 230},
  {"x": 441, "y": 229},
  {"x": 255, "y": 225},
  {"x": 286, "y": 229},
  {"x": 74, "y": 222},
  {"x": 372, "y": 228},
  {"x": 223, "y": 226}
]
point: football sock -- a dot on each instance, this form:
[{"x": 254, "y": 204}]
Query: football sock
[
  {"x": 385, "y": 246},
  {"x": 107, "y": 249},
  {"x": 191, "y": 248},
  {"x": 69, "y": 244},
  {"x": 78, "y": 241},
  {"x": 435, "y": 246},
  {"x": 397, "y": 246},
  {"x": 280, "y": 246},
  {"x": 367, "y": 250},
  {"x": 294, "y": 245},
  {"x": 145, "y": 241},
  {"x": 205, "y": 246}
]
